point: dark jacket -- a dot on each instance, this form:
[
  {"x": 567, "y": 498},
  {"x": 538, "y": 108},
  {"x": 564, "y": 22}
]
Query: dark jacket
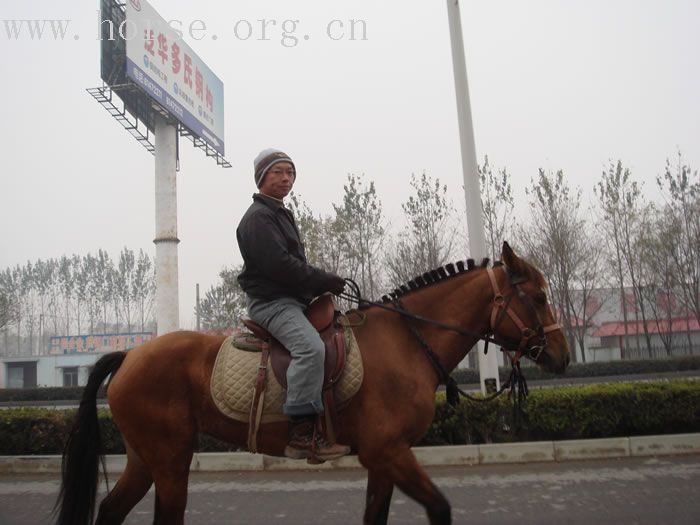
[{"x": 274, "y": 260}]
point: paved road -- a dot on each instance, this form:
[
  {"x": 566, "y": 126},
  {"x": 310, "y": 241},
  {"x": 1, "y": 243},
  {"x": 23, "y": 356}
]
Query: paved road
[{"x": 622, "y": 491}]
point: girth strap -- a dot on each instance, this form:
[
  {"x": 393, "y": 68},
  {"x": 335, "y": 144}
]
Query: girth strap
[{"x": 256, "y": 407}]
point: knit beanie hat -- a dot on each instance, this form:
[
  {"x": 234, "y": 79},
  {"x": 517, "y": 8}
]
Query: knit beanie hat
[{"x": 265, "y": 160}]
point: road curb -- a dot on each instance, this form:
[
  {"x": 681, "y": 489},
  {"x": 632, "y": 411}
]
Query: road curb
[{"x": 457, "y": 455}]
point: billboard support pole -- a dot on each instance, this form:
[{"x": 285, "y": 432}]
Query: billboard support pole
[
  {"x": 166, "y": 241},
  {"x": 488, "y": 364},
  {"x": 189, "y": 104}
]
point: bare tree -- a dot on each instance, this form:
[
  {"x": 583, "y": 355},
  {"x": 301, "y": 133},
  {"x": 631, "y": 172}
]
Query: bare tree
[
  {"x": 637, "y": 261},
  {"x": 92, "y": 288},
  {"x": 55, "y": 296},
  {"x": 311, "y": 228},
  {"x": 52, "y": 297},
  {"x": 125, "y": 284},
  {"x": 81, "y": 278},
  {"x": 8, "y": 307},
  {"x": 238, "y": 301},
  {"x": 29, "y": 303},
  {"x": 223, "y": 304},
  {"x": 558, "y": 241},
  {"x": 44, "y": 276},
  {"x": 681, "y": 186},
  {"x": 657, "y": 253},
  {"x": 65, "y": 277},
  {"x": 143, "y": 287},
  {"x": 8, "y": 300},
  {"x": 325, "y": 240},
  {"x": 214, "y": 309},
  {"x": 587, "y": 275},
  {"x": 322, "y": 236},
  {"x": 361, "y": 228},
  {"x": 427, "y": 241},
  {"x": 497, "y": 206},
  {"x": 104, "y": 283},
  {"x": 622, "y": 209},
  {"x": 331, "y": 255},
  {"x": 16, "y": 289}
]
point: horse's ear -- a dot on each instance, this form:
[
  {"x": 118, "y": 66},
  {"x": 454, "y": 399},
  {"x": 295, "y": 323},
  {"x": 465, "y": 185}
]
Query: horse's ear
[
  {"x": 507, "y": 253},
  {"x": 512, "y": 261}
]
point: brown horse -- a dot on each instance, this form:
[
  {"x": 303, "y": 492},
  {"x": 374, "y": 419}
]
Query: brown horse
[{"x": 160, "y": 399}]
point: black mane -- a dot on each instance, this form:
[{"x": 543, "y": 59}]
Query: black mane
[{"x": 436, "y": 276}]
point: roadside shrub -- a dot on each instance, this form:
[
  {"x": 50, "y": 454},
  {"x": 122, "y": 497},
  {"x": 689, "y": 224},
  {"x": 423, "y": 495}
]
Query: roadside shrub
[
  {"x": 32, "y": 431},
  {"x": 577, "y": 412},
  {"x": 111, "y": 437},
  {"x": 60, "y": 393},
  {"x": 591, "y": 411}
]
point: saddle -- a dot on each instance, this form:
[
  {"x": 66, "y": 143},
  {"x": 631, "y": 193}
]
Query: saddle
[{"x": 322, "y": 315}]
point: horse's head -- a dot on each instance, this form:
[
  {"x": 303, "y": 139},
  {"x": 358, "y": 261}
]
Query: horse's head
[{"x": 522, "y": 315}]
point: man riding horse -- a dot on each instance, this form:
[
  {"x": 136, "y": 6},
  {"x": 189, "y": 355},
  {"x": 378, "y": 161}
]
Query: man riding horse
[{"x": 280, "y": 284}]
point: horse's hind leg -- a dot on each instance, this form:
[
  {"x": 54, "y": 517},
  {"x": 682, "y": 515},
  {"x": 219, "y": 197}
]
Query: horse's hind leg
[
  {"x": 403, "y": 470},
  {"x": 171, "y": 491},
  {"x": 379, "y": 491},
  {"x": 128, "y": 491}
]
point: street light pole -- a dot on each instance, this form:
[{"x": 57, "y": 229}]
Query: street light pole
[
  {"x": 199, "y": 327},
  {"x": 488, "y": 364}
]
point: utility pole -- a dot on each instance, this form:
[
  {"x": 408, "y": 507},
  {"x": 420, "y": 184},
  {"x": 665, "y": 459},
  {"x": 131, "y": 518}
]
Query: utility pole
[
  {"x": 198, "y": 318},
  {"x": 488, "y": 364}
]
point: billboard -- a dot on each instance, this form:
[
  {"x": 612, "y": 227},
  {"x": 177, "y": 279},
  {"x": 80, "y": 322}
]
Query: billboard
[
  {"x": 78, "y": 344},
  {"x": 165, "y": 67}
]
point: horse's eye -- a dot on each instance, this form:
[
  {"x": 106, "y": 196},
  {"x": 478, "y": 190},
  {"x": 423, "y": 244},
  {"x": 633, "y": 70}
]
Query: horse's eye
[{"x": 541, "y": 298}]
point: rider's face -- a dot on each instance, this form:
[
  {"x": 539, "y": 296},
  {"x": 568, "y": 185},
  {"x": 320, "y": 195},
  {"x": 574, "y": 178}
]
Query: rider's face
[{"x": 279, "y": 180}]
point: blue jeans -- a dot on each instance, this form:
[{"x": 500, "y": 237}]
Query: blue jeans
[{"x": 285, "y": 320}]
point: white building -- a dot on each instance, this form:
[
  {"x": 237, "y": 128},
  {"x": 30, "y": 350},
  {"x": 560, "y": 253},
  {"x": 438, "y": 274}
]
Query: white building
[
  {"x": 49, "y": 370},
  {"x": 69, "y": 362},
  {"x": 672, "y": 330}
]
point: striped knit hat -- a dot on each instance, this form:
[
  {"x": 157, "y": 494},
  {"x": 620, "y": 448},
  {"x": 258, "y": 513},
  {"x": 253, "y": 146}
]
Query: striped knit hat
[{"x": 265, "y": 160}]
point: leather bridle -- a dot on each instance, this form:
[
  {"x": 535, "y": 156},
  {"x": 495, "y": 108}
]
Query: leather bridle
[{"x": 501, "y": 308}]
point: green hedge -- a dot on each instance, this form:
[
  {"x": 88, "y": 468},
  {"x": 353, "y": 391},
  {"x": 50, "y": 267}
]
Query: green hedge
[
  {"x": 43, "y": 431},
  {"x": 591, "y": 411},
  {"x": 39, "y": 431},
  {"x": 466, "y": 376},
  {"x": 58, "y": 393},
  {"x": 659, "y": 407}
]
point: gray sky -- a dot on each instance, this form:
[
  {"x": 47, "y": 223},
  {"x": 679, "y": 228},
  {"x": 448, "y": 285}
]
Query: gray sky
[{"x": 558, "y": 84}]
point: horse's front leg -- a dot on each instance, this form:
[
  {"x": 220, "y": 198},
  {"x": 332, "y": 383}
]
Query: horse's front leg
[
  {"x": 400, "y": 467},
  {"x": 379, "y": 491}
]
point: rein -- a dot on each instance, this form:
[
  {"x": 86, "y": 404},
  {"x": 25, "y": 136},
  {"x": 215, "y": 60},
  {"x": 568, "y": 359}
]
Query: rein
[
  {"x": 501, "y": 307},
  {"x": 359, "y": 300}
]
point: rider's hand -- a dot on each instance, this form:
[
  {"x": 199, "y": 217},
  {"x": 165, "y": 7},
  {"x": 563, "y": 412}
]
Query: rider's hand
[{"x": 336, "y": 284}]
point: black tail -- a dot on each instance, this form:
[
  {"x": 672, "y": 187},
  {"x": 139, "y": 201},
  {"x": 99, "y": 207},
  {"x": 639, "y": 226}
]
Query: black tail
[{"x": 81, "y": 457}]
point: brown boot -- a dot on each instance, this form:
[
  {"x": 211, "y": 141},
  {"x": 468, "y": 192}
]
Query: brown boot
[
  {"x": 325, "y": 450},
  {"x": 301, "y": 439},
  {"x": 307, "y": 442}
]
